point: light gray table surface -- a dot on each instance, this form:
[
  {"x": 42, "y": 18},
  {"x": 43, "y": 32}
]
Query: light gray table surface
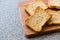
[{"x": 10, "y": 23}]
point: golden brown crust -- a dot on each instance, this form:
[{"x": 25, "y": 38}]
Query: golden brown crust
[
  {"x": 30, "y": 7},
  {"x": 54, "y": 4},
  {"x": 37, "y": 20},
  {"x": 55, "y": 19}
]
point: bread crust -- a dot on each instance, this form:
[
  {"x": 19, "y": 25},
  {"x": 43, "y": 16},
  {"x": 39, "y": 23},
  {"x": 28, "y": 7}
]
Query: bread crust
[
  {"x": 54, "y": 4},
  {"x": 30, "y": 7},
  {"x": 37, "y": 20},
  {"x": 55, "y": 19}
]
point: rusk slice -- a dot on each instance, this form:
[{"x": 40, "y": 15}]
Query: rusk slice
[
  {"x": 54, "y": 4},
  {"x": 30, "y": 7},
  {"x": 55, "y": 19},
  {"x": 37, "y": 20}
]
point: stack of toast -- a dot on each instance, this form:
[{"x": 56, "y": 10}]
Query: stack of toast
[{"x": 42, "y": 18}]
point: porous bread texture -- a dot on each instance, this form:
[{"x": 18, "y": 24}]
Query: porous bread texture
[
  {"x": 37, "y": 20},
  {"x": 54, "y": 4},
  {"x": 30, "y": 7},
  {"x": 55, "y": 19}
]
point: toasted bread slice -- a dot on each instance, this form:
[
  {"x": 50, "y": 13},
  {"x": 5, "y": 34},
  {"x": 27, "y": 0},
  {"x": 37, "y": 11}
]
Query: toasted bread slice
[
  {"x": 55, "y": 19},
  {"x": 37, "y": 20},
  {"x": 30, "y": 8},
  {"x": 54, "y": 4}
]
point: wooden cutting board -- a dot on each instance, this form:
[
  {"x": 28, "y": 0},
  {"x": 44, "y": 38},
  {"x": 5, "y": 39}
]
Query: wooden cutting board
[{"x": 27, "y": 31}]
